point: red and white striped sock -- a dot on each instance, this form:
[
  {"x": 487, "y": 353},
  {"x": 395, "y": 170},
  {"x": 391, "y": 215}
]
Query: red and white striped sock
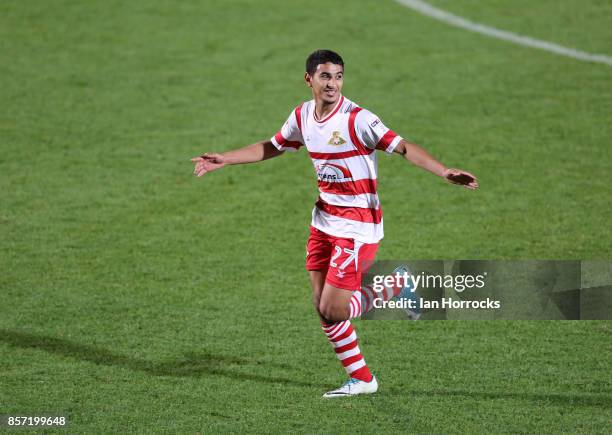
[
  {"x": 362, "y": 300},
  {"x": 343, "y": 339}
]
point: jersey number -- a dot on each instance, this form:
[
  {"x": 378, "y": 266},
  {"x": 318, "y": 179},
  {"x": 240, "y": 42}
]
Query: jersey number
[{"x": 352, "y": 255}]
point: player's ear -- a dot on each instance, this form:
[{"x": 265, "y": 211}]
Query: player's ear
[{"x": 308, "y": 79}]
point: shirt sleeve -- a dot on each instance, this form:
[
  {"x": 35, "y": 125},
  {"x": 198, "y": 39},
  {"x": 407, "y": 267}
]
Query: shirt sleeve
[
  {"x": 289, "y": 137},
  {"x": 373, "y": 133}
]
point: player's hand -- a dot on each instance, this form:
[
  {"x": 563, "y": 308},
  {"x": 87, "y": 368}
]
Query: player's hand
[
  {"x": 207, "y": 163},
  {"x": 463, "y": 178}
]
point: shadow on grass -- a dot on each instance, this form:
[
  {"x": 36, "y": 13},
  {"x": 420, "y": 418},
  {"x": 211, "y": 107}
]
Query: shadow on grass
[
  {"x": 582, "y": 400},
  {"x": 191, "y": 365}
]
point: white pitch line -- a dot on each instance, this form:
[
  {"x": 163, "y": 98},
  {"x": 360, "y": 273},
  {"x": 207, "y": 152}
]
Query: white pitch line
[{"x": 454, "y": 20}]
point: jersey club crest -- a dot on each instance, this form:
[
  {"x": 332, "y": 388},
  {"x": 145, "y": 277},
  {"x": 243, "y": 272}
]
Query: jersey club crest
[{"x": 336, "y": 139}]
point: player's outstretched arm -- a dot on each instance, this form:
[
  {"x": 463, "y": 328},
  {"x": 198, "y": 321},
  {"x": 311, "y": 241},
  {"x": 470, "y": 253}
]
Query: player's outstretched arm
[
  {"x": 256, "y": 152},
  {"x": 421, "y": 158}
]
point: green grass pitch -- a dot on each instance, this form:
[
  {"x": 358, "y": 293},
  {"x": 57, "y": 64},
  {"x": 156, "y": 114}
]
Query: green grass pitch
[{"x": 136, "y": 298}]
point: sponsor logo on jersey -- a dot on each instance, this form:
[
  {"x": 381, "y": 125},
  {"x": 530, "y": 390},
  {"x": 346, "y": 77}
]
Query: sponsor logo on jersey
[
  {"x": 375, "y": 123},
  {"x": 336, "y": 139},
  {"x": 331, "y": 172}
]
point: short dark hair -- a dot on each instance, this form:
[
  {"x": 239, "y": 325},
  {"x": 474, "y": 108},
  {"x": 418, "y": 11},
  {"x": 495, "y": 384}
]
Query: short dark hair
[{"x": 318, "y": 57}]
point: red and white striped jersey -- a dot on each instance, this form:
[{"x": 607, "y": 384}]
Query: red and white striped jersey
[{"x": 342, "y": 148}]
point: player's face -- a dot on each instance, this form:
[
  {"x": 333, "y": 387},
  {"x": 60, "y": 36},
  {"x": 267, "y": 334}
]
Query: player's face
[{"x": 326, "y": 83}]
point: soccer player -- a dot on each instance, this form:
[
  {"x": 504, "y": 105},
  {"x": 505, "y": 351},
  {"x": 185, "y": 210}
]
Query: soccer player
[{"x": 342, "y": 139}]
